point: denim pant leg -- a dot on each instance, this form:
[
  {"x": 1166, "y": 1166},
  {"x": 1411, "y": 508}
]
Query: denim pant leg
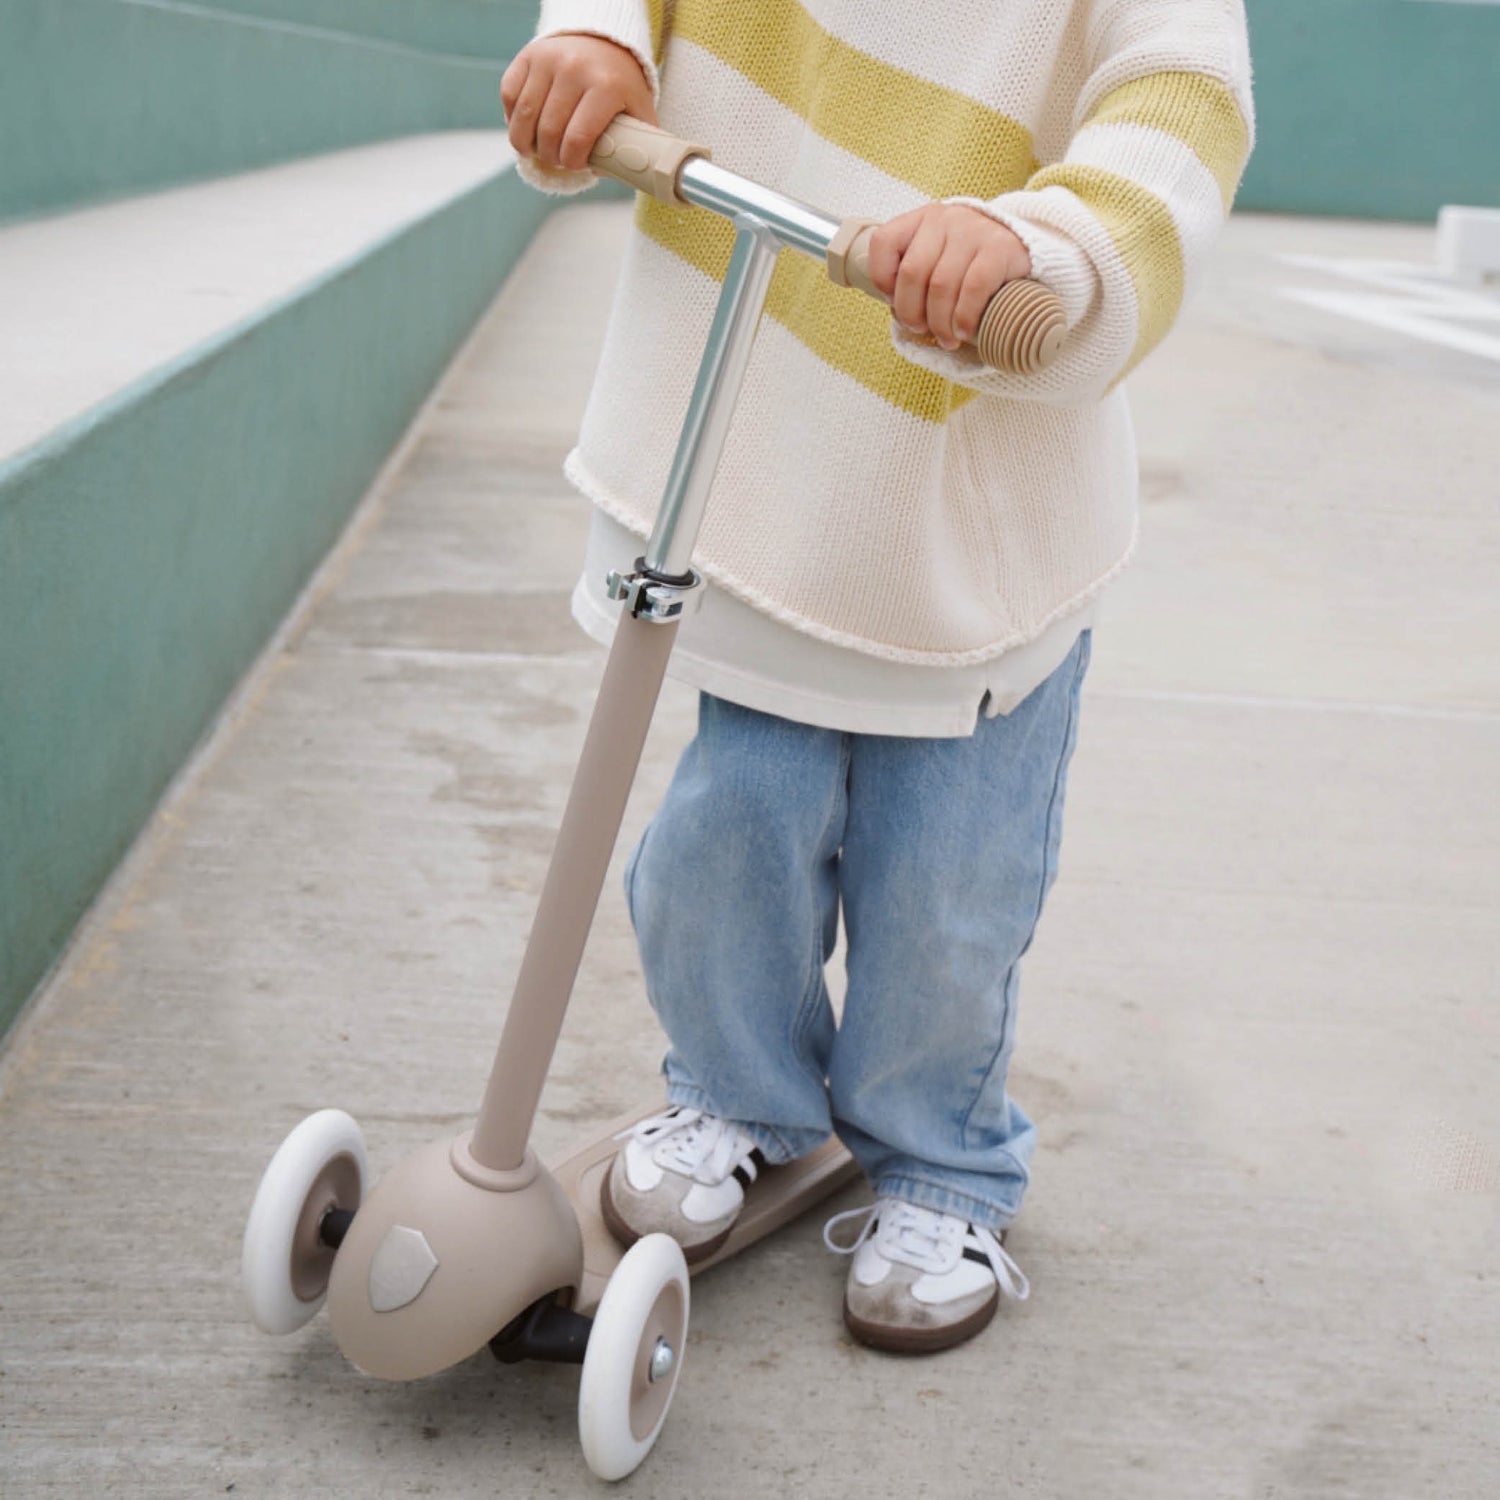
[
  {"x": 733, "y": 892},
  {"x": 949, "y": 850}
]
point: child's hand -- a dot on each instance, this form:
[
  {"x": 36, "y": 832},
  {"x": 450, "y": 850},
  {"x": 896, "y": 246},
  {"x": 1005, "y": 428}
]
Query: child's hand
[
  {"x": 561, "y": 91},
  {"x": 940, "y": 264}
]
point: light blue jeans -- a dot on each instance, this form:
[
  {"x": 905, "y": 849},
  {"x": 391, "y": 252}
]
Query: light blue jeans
[{"x": 941, "y": 852}]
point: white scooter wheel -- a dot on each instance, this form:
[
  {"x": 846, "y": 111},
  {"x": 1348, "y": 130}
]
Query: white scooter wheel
[
  {"x": 634, "y": 1356},
  {"x": 285, "y": 1264}
]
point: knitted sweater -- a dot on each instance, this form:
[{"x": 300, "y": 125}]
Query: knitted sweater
[{"x": 877, "y": 493}]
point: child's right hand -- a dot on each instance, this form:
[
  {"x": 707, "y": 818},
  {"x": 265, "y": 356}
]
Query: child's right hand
[{"x": 561, "y": 91}]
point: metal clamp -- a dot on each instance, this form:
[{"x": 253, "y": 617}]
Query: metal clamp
[{"x": 655, "y": 599}]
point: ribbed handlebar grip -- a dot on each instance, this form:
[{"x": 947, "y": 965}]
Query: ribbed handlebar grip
[{"x": 1022, "y": 330}]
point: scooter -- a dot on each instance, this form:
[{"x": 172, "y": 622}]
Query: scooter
[{"x": 471, "y": 1241}]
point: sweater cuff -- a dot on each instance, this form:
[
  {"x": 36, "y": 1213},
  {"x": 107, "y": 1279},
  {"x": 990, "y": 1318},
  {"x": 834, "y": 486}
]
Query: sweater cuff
[
  {"x": 1057, "y": 261},
  {"x": 558, "y": 181}
]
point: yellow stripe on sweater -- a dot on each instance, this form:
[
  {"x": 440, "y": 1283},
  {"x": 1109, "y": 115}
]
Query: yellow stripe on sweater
[
  {"x": 939, "y": 141},
  {"x": 656, "y": 14},
  {"x": 1145, "y": 236},
  {"x": 844, "y": 329},
  {"x": 1197, "y": 110}
]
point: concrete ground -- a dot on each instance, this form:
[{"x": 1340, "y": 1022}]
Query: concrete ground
[{"x": 1261, "y": 1026}]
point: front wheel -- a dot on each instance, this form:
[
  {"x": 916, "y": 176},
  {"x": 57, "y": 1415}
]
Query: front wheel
[
  {"x": 634, "y": 1356},
  {"x": 286, "y": 1261}
]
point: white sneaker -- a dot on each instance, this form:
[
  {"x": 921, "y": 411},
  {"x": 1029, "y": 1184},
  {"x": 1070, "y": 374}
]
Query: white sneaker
[
  {"x": 682, "y": 1173},
  {"x": 922, "y": 1281}
]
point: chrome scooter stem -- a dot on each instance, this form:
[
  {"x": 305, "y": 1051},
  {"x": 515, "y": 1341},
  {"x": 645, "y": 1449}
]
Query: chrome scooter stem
[{"x": 711, "y": 406}]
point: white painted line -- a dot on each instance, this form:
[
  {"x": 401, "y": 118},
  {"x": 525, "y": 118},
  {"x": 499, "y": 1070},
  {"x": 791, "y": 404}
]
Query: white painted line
[
  {"x": 1433, "y": 285},
  {"x": 1415, "y": 301},
  {"x": 1400, "y": 317},
  {"x": 1301, "y": 705}
]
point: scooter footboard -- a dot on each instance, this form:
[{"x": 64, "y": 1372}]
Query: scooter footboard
[{"x": 776, "y": 1197}]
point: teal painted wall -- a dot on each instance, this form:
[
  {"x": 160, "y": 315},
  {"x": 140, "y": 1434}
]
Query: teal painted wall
[
  {"x": 105, "y": 97},
  {"x": 147, "y": 551},
  {"x": 1374, "y": 108},
  {"x": 469, "y": 28}
]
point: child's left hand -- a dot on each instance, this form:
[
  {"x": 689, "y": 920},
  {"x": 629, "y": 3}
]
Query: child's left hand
[{"x": 940, "y": 264}]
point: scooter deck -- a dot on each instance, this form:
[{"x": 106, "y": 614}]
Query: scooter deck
[{"x": 776, "y": 1197}]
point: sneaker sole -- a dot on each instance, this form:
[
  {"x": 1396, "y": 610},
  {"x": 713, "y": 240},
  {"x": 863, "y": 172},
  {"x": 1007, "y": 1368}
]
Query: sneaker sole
[
  {"x": 628, "y": 1236},
  {"x": 920, "y": 1340}
]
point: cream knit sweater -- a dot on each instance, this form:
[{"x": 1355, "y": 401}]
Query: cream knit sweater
[{"x": 877, "y": 494}]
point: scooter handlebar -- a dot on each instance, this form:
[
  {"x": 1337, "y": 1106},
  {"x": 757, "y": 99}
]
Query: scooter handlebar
[
  {"x": 1022, "y": 330},
  {"x": 644, "y": 157}
]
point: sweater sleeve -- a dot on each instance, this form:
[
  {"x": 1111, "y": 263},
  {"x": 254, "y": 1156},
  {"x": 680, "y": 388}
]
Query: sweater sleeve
[
  {"x": 637, "y": 25},
  {"x": 1120, "y": 227}
]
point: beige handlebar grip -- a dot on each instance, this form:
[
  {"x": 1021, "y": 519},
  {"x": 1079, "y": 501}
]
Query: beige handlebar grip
[
  {"x": 643, "y": 157},
  {"x": 1022, "y": 330}
]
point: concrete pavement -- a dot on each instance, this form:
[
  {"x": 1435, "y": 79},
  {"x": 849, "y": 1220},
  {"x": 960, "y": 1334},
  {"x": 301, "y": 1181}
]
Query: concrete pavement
[{"x": 1260, "y": 1027}]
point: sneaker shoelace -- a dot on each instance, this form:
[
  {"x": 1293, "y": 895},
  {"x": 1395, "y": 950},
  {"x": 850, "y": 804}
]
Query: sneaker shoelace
[
  {"x": 928, "y": 1241},
  {"x": 701, "y": 1146}
]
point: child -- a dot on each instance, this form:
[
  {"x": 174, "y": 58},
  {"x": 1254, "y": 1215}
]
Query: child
[{"x": 904, "y": 553}]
